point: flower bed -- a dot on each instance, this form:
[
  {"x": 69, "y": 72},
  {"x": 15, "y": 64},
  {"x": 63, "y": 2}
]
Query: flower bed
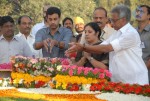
[
  {"x": 76, "y": 78},
  {"x": 35, "y": 73},
  {"x": 121, "y": 88}
]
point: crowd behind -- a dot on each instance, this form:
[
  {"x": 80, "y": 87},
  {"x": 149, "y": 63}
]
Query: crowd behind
[{"x": 109, "y": 43}]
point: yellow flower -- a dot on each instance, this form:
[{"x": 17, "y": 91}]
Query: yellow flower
[
  {"x": 58, "y": 84},
  {"x": 64, "y": 85}
]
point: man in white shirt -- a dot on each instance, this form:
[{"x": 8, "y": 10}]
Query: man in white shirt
[
  {"x": 126, "y": 63},
  {"x": 100, "y": 17},
  {"x": 43, "y": 24},
  {"x": 24, "y": 25},
  {"x": 11, "y": 45}
]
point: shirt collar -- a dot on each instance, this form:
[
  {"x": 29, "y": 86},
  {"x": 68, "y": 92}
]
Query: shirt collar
[
  {"x": 147, "y": 28},
  {"x": 124, "y": 28},
  {"x": 60, "y": 29},
  {"x": 14, "y": 37},
  {"x": 20, "y": 34}
]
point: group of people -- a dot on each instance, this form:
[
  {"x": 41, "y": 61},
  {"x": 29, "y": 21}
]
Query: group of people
[{"x": 112, "y": 44}]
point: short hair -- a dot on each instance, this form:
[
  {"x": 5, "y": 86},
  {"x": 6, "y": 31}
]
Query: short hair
[
  {"x": 65, "y": 19},
  {"x": 122, "y": 11},
  {"x": 53, "y": 10},
  {"x": 101, "y": 8},
  {"x": 95, "y": 27},
  {"x": 148, "y": 8},
  {"x": 5, "y": 19},
  {"x": 19, "y": 19}
]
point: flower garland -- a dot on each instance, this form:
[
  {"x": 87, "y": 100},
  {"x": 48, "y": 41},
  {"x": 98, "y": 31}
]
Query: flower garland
[
  {"x": 83, "y": 71},
  {"x": 27, "y": 80},
  {"x": 121, "y": 88},
  {"x": 63, "y": 81}
]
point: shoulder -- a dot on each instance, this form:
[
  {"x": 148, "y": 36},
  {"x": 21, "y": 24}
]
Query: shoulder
[
  {"x": 38, "y": 25},
  {"x": 129, "y": 30},
  {"x": 43, "y": 31},
  {"x": 19, "y": 39},
  {"x": 64, "y": 30}
]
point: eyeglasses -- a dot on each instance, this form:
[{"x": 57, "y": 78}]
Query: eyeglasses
[{"x": 115, "y": 20}]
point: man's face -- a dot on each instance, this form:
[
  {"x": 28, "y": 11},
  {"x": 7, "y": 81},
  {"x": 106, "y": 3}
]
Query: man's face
[
  {"x": 99, "y": 16},
  {"x": 53, "y": 21},
  {"x": 25, "y": 25},
  {"x": 79, "y": 27},
  {"x": 8, "y": 29},
  {"x": 44, "y": 11},
  {"x": 116, "y": 21},
  {"x": 68, "y": 24},
  {"x": 142, "y": 14}
]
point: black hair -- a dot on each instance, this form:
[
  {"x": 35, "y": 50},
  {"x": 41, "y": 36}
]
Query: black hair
[
  {"x": 5, "y": 19},
  {"x": 65, "y": 19},
  {"x": 101, "y": 8},
  {"x": 53, "y": 10},
  {"x": 19, "y": 19},
  {"x": 95, "y": 27},
  {"x": 148, "y": 8}
]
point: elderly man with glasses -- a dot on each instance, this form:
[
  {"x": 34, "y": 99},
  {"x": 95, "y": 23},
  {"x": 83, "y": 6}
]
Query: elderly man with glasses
[{"x": 125, "y": 64}]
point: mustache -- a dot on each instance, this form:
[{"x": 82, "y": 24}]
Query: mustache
[
  {"x": 99, "y": 23},
  {"x": 68, "y": 27}
]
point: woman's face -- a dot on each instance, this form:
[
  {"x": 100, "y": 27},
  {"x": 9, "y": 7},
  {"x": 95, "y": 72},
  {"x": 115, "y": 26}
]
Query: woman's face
[{"x": 90, "y": 34}]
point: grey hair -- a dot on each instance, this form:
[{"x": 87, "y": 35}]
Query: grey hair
[{"x": 122, "y": 11}]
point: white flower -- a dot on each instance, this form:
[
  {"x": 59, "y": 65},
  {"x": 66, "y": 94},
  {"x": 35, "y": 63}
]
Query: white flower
[
  {"x": 59, "y": 67},
  {"x": 5, "y": 83},
  {"x": 21, "y": 81},
  {"x": 86, "y": 87},
  {"x": 16, "y": 65}
]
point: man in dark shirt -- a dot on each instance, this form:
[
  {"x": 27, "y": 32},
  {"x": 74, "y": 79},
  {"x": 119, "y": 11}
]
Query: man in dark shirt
[{"x": 54, "y": 39}]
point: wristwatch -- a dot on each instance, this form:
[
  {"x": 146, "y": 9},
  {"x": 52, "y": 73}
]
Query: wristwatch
[{"x": 90, "y": 59}]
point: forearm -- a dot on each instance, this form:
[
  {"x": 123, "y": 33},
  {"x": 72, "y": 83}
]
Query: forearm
[
  {"x": 98, "y": 49},
  {"x": 97, "y": 64},
  {"x": 38, "y": 45},
  {"x": 81, "y": 62}
]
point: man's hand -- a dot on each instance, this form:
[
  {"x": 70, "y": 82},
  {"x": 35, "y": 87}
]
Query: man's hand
[
  {"x": 46, "y": 44},
  {"x": 52, "y": 44},
  {"x": 74, "y": 48}
]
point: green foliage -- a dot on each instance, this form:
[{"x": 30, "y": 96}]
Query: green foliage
[
  {"x": 16, "y": 99},
  {"x": 69, "y": 8}
]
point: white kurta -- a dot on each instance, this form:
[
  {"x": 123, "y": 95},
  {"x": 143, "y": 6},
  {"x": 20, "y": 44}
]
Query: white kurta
[
  {"x": 30, "y": 40},
  {"x": 126, "y": 63}
]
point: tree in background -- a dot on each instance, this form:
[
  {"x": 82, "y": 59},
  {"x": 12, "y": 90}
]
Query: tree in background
[{"x": 70, "y": 8}]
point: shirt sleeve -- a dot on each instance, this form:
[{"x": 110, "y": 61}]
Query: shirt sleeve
[
  {"x": 67, "y": 37},
  {"x": 125, "y": 41},
  {"x": 39, "y": 35}
]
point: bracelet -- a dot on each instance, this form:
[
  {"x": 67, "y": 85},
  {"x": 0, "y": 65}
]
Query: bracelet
[{"x": 90, "y": 59}]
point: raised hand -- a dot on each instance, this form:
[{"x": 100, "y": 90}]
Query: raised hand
[
  {"x": 74, "y": 48},
  {"x": 46, "y": 44}
]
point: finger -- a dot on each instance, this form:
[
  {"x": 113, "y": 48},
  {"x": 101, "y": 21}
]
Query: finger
[
  {"x": 71, "y": 44},
  {"x": 46, "y": 45},
  {"x": 51, "y": 46}
]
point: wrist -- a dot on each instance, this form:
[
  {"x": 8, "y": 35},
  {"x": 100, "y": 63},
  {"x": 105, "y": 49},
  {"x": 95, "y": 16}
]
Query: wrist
[
  {"x": 57, "y": 43},
  {"x": 90, "y": 59}
]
